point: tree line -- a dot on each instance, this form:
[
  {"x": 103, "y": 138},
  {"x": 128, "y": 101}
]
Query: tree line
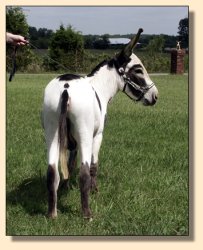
[
  {"x": 71, "y": 48},
  {"x": 41, "y": 38}
]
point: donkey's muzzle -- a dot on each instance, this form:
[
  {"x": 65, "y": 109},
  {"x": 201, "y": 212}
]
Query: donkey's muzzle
[
  {"x": 149, "y": 103},
  {"x": 151, "y": 99}
]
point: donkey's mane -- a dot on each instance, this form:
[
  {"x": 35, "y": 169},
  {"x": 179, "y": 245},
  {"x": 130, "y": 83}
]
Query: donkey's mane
[
  {"x": 101, "y": 64},
  {"x": 110, "y": 63}
]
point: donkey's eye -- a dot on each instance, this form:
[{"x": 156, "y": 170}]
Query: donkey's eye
[{"x": 138, "y": 71}]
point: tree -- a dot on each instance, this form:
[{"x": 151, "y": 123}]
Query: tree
[
  {"x": 102, "y": 43},
  {"x": 67, "y": 48},
  {"x": 89, "y": 41},
  {"x": 16, "y": 23},
  {"x": 156, "y": 45},
  {"x": 184, "y": 32},
  {"x": 170, "y": 41},
  {"x": 40, "y": 38},
  {"x": 33, "y": 34}
]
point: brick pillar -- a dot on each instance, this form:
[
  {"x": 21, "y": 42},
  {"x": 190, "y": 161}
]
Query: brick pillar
[{"x": 177, "y": 61}]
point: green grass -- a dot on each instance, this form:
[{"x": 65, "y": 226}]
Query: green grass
[{"x": 143, "y": 173}]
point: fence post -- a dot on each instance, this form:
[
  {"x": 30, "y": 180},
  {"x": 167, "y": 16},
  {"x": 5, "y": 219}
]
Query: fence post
[{"x": 177, "y": 61}]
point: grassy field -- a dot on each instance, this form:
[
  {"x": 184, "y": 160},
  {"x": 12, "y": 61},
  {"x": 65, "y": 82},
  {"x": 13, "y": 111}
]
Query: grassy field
[{"x": 143, "y": 175}]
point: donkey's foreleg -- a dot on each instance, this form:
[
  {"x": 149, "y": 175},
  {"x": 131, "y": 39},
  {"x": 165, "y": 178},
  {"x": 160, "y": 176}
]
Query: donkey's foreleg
[{"x": 94, "y": 162}]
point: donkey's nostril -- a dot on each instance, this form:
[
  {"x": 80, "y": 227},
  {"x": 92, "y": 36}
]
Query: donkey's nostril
[{"x": 154, "y": 99}]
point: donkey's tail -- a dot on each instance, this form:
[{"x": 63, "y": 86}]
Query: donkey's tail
[{"x": 63, "y": 137}]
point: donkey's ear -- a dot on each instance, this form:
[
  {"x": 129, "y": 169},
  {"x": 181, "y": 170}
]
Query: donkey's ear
[
  {"x": 131, "y": 45},
  {"x": 124, "y": 55}
]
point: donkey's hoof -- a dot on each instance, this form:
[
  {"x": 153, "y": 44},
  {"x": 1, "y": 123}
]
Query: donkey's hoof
[
  {"x": 52, "y": 215},
  {"x": 87, "y": 214},
  {"x": 89, "y": 219}
]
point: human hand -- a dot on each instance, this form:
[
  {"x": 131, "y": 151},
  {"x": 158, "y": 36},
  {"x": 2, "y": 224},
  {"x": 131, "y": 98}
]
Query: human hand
[{"x": 15, "y": 39}]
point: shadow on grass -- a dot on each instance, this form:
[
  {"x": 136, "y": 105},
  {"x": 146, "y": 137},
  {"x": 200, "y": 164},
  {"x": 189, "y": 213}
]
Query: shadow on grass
[{"x": 32, "y": 196}]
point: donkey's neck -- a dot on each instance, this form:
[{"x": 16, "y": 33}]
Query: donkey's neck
[{"x": 106, "y": 83}]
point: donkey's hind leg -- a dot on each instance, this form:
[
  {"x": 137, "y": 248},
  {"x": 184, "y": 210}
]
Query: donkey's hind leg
[
  {"x": 53, "y": 177},
  {"x": 85, "y": 179},
  {"x": 52, "y": 186},
  {"x": 85, "y": 182},
  {"x": 94, "y": 162}
]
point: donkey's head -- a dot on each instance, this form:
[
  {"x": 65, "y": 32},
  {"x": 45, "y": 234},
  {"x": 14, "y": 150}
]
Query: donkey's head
[{"x": 136, "y": 82}]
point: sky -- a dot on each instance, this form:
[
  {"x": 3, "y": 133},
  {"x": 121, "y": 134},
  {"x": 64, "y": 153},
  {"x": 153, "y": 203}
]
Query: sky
[{"x": 108, "y": 20}]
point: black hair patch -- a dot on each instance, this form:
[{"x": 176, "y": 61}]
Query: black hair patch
[
  {"x": 68, "y": 77},
  {"x": 66, "y": 85}
]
